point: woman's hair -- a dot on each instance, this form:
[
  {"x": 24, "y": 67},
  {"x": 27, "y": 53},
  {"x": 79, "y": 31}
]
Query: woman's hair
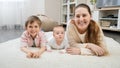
[
  {"x": 93, "y": 30},
  {"x": 32, "y": 19},
  {"x": 84, "y": 6}
]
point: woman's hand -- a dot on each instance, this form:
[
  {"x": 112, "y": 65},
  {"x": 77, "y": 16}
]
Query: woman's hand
[
  {"x": 73, "y": 50},
  {"x": 99, "y": 51}
]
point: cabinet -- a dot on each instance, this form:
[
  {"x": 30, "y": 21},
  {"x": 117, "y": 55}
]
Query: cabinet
[
  {"x": 68, "y": 7},
  {"x": 109, "y": 18}
]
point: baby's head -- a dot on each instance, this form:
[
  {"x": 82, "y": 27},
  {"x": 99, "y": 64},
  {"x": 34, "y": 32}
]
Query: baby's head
[
  {"x": 33, "y": 25},
  {"x": 59, "y": 32}
]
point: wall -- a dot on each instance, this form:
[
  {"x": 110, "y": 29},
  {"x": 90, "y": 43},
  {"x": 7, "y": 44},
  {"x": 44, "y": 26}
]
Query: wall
[
  {"x": 32, "y": 7},
  {"x": 53, "y": 9},
  {"x": 18, "y": 12}
]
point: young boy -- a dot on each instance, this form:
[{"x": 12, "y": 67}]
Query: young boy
[
  {"x": 58, "y": 42},
  {"x": 33, "y": 37}
]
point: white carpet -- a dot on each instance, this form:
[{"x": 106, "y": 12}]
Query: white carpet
[{"x": 12, "y": 57}]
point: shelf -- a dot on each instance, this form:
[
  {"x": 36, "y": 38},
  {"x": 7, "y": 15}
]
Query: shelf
[
  {"x": 111, "y": 29},
  {"x": 65, "y": 1},
  {"x": 115, "y": 8},
  {"x": 64, "y": 23},
  {"x": 64, "y": 4},
  {"x": 108, "y": 18},
  {"x": 68, "y": 7},
  {"x": 72, "y": 3},
  {"x": 72, "y": 0}
]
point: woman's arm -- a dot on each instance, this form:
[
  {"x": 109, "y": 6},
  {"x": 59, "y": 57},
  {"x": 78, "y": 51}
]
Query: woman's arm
[
  {"x": 97, "y": 50},
  {"x": 102, "y": 43},
  {"x": 73, "y": 39}
]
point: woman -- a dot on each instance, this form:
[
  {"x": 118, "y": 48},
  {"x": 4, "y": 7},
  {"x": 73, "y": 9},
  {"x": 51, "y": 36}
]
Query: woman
[{"x": 84, "y": 35}]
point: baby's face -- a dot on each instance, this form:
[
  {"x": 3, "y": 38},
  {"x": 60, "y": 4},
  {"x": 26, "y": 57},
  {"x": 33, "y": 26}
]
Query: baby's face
[
  {"x": 59, "y": 33},
  {"x": 33, "y": 29}
]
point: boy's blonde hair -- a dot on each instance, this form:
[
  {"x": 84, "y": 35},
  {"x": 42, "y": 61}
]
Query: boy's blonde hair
[{"x": 58, "y": 26}]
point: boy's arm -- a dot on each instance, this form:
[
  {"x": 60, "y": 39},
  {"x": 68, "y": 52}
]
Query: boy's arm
[
  {"x": 42, "y": 49},
  {"x": 24, "y": 44},
  {"x": 25, "y": 49}
]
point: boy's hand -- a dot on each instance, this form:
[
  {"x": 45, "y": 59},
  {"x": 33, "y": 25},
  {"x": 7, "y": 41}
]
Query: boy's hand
[
  {"x": 36, "y": 54},
  {"x": 29, "y": 55}
]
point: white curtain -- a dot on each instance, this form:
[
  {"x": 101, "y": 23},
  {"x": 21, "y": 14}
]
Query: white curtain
[
  {"x": 15, "y": 12},
  {"x": 10, "y": 12}
]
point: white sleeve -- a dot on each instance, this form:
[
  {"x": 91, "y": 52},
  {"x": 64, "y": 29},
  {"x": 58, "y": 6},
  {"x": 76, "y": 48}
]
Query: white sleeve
[
  {"x": 50, "y": 43},
  {"x": 82, "y": 45},
  {"x": 23, "y": 40},
  {"x": 85, "y": 51},
  {"x": 48, "y": 47}
]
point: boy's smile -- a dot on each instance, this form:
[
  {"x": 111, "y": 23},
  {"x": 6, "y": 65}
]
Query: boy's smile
[{"x": 33, "y": 29}]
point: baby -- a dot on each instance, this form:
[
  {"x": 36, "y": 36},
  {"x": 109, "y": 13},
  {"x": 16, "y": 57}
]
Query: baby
[
  {"x": 33, "y": 37},
  {"x": 58, "y": 42}
]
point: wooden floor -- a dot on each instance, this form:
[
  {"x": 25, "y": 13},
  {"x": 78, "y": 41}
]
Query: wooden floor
[
  {"x": 113, "y": 34},
  {"x": 7, "y": 35}
]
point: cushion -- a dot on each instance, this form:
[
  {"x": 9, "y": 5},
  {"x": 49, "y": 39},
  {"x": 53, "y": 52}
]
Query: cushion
[{"x": 47, "y": 23}]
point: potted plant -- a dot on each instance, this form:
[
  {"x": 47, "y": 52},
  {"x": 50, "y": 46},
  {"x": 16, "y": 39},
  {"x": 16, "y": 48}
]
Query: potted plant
[{"x": 93, "y": 2}]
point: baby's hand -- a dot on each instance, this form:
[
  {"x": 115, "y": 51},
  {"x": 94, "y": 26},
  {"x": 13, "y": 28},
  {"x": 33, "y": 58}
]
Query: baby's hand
[
  {"x": 62, "y": 51},
  {"x": 49, "y": 50}
]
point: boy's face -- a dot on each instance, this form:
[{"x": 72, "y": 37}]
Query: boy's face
[
  {"x": 58, "y": 33},
  {"x": 33, "y": 28}
]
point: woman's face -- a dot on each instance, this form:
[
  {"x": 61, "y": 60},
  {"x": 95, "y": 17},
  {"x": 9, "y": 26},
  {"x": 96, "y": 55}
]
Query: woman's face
[
  {"x": 82, "y": 18},
  {"x": 33, "y": 28}
]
